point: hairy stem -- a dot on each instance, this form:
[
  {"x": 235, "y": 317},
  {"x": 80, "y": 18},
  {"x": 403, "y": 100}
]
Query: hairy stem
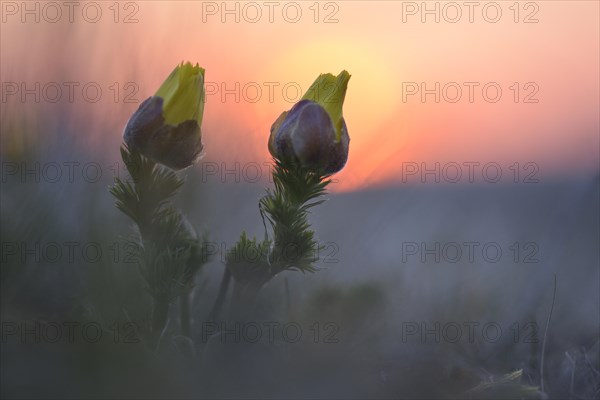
[
  {"x": 243, "y": 300},
  {"x": 236, "y": 301},
  {"x": 160, "y": 314},
  {"x": 216, "y": 310}
]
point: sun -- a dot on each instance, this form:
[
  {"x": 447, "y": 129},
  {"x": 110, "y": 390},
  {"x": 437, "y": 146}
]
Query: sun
[{"x": 371, "y": 96}]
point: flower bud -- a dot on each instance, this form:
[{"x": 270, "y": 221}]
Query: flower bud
[
  {"x": 314, "y": 132},
  {"x": 166, "y": 126}
]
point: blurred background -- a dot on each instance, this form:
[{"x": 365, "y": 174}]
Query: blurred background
[{"x": 472, "y": 186}]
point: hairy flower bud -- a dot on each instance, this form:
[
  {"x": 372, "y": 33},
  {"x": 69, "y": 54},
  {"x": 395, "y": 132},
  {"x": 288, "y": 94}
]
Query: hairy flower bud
[
  {"x": 167, "y": 126},
  {"x": 314, "y": 132}
]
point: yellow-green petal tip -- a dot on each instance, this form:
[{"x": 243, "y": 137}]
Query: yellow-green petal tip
[
  {"x": 183, "y": 94},
  {"x": 329, "y": 91}
]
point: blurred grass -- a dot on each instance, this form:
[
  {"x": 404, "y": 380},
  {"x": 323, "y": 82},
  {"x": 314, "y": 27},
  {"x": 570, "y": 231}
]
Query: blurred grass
[{"x": 368, "y": 360}]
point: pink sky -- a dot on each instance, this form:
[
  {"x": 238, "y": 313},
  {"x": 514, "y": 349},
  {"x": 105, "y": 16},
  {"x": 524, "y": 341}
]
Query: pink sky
[{"x": 557, "y": 57}]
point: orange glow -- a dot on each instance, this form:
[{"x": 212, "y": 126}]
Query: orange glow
[{"x": 555, "y": 61}]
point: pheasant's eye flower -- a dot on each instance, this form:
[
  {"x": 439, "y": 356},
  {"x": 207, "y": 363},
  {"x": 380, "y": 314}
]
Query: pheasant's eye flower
[
  {"x": 166, "y": 126},
  {"x": 314, "y": 132}
]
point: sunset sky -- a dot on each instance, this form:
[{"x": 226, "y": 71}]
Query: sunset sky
[{"x": 549, "y": 66}]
